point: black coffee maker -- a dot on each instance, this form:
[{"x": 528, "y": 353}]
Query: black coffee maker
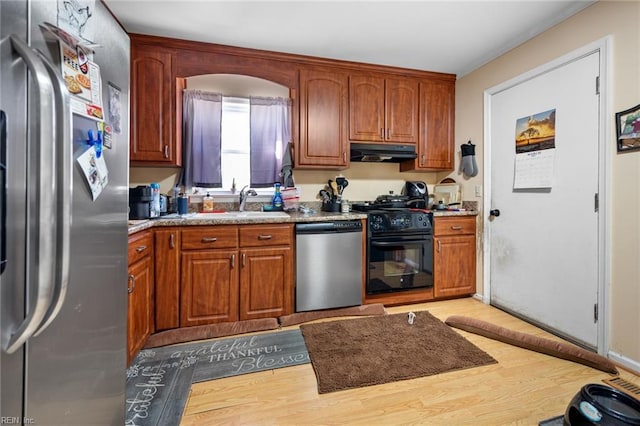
[{"x": 140, "y": 199}]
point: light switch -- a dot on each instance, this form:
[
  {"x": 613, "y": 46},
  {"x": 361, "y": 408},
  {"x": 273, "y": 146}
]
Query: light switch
[{"x": 478, "y": 190}]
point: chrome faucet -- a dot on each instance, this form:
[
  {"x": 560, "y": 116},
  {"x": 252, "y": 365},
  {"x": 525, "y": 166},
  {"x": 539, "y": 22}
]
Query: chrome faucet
[{"x": 244, "y": 195}]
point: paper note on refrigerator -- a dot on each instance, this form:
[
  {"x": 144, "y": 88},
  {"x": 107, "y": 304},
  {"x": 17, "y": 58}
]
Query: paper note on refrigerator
[
  {"x": 83, "y": 81},
  {"x": 95, "y": 171}
]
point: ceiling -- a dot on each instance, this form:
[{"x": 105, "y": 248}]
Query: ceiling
[{"x": 444, "y": 36}]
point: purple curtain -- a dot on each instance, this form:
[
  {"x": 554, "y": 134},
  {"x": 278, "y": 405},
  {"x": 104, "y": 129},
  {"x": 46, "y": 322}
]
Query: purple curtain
[
  {"x": 202, "y": 118},
  {"x": 270, "y": 136}
]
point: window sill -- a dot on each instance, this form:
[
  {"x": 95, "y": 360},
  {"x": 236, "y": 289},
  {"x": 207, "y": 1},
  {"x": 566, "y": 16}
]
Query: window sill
[{"x": 231, "y": 198}]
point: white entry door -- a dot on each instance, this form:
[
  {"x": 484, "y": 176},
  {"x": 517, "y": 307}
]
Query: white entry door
[{"x": 544, "y": 255}]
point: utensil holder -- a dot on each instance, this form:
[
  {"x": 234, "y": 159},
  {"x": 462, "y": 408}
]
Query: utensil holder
[{"x": 331, "y": 206}]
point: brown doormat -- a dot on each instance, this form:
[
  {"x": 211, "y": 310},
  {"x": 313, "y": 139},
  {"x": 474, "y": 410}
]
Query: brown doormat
[
  {"x": 300, "y": 317},
  {"x": 360, "y": 352}
]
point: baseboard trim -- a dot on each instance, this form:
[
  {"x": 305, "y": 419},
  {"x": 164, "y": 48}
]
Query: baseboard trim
[{"x": 624, "y": 362}]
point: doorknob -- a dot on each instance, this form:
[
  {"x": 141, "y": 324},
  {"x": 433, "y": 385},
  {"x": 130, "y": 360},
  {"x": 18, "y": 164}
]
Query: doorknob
[{"x": 494, "y": 212}]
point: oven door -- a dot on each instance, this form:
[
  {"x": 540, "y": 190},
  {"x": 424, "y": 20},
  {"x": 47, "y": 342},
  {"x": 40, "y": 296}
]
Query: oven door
[{"x": 398, "y": 263}]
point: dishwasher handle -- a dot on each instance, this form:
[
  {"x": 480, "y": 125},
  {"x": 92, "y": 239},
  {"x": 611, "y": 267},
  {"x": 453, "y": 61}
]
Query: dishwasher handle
[{"x": 335, "y": 227}]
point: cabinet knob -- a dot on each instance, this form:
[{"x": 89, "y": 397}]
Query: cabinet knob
[
  {"x": 140, "y": 249},
  {"x": 264, "y": 237},
  {"x": 132, "y": 281},
  {"x": 209, "y": 239},
  {"x": 166, "y": 151}
]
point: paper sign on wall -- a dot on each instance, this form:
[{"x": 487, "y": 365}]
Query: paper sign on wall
[{"x": 535, "y": 145}]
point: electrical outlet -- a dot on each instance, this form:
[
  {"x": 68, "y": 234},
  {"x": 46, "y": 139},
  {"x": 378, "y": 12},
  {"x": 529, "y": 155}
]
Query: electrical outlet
[{"x": 478, "y": 190}]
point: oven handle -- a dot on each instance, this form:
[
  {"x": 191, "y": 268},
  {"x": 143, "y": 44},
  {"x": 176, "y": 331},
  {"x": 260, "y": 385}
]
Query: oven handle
[{"x": 397, "y": 242}]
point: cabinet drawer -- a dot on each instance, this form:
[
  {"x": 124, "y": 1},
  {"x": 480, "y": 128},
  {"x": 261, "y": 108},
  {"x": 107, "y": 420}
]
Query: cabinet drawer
[
  {"x": 210, "y": 237},
  {"x": 265, "y": 235},
  {"x": 454, "y": 225},
  {"x": 140, "y": 246}
]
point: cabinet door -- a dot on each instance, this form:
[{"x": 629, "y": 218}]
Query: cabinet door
[
  {"x": 436, "y": 138},
  {"x": 167, "y": 274},
  {"x": 366, "y": 108},
  {"x": 454, "y": 265},
  {"x": 153, "y": 125},
  {"x": 401, "y": 110},
  {"x": 323, "y": 119},
  {"x": 209, "y": 291},
  {"x": 266, "y": 283},
  {"x": 140, "y": 306}
]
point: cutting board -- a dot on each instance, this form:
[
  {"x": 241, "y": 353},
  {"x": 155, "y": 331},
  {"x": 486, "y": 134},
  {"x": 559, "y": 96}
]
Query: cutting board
[{"x": 448, "y": 193}]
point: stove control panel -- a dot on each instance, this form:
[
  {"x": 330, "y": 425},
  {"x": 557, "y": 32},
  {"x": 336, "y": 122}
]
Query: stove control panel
[{"x": 406, "y": 221}]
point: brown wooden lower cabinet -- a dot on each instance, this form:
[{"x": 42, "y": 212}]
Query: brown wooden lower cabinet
[
  {"x": 231, "y": 273},
  {"x": 209, "y": 287},
  {"x": 167, "y": 274},
  {"x": 265, "y": 283},
  {"x": 140, "y": 288},
  {"x": 454, "y": 256}
]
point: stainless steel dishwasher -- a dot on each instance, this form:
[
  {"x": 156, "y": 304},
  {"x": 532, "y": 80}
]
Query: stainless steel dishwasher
[{"x": 328, "y": 265}]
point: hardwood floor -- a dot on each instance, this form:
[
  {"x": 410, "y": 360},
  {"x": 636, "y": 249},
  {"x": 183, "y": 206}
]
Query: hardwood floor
[{"x": 524, "y": 388}]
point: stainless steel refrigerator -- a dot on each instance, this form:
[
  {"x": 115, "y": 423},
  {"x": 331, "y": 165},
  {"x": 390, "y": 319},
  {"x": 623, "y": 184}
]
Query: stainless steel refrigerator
[{"x": 64, "y": 254}]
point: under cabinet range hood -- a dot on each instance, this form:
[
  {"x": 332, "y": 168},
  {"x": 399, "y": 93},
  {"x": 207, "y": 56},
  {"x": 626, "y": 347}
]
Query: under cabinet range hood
[{"x": 377, "y": 152}]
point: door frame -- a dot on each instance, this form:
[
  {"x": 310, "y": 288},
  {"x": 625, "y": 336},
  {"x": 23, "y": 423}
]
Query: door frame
[{"x": 605, "y": 144}]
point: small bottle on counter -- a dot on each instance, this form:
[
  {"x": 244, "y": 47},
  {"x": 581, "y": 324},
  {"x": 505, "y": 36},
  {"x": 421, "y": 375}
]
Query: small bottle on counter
[
  {"x": 176, "y": 194},
  {"x": 345, "y": 207},
  {"x": 277, "y": 197},
  {"x": 183, "y": 203},
  {"x": 155, "y": 200},
  {"x": 207, "y": 203}
]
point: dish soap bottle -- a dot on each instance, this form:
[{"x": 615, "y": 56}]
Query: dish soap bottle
[
  {"x": 207, "y": 203},
  {"x": 277, "y": 197}
]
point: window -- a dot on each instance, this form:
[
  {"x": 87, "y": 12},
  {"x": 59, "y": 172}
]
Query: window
[
  {"x": 236, "y": 144},
  {"x": 234, "y": 138}
]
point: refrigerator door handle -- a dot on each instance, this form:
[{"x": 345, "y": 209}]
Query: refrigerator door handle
[
  {"x": 3, "y": 191},
  {"x": 43, "y": 269},
  {"x": 64, "y": 187}
]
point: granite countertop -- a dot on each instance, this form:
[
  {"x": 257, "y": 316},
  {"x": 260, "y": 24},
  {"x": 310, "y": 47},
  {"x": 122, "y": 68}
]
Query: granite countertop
[
  {"x": 455, "y": 213},
  {"x": 292, "y": 217},
  {"x": 193, "y": 219}
]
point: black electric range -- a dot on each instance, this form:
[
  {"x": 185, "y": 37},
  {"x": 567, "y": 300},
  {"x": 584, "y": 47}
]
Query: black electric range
[{"x": 399, "y": 244}]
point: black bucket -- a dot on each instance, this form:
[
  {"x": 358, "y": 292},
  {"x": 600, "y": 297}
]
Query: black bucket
[{"x": 602, "y": 405}]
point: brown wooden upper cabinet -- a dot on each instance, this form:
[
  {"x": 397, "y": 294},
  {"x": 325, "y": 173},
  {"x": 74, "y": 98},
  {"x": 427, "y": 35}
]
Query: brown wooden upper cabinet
[
  {"x": 383, "y": 109},
  {"x": 334, "y": 102},
  {"x": 323, "y": 119},
  {"x": 155, "y": 138},
  {"x": 436, "y": 135}
]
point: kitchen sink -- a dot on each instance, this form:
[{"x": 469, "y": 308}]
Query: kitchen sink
[{"x": 240, "y": 215}]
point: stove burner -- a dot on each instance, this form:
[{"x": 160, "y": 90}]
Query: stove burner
[
  {"x": 384, "y": 202},
  {"x": 392, "y": 198}
]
